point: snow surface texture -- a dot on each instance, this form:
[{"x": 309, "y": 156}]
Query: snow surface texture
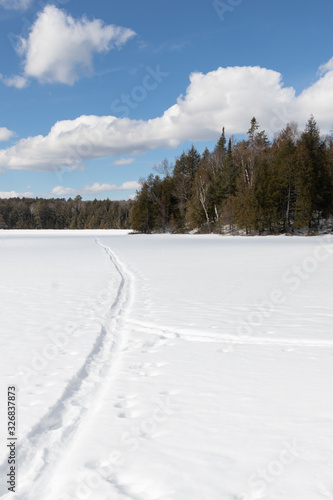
[{"x": 167, "y": 367}]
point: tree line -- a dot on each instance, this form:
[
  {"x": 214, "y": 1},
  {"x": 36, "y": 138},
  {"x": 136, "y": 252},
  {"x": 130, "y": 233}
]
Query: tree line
[
  {"x": 40, "y": 213},
  {"x": 252, "y": 185}
]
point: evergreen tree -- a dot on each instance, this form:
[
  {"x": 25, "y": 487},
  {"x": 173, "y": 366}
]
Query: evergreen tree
[
  {"x": 313, "y": 183},
  {"x": 284, "y": 167},
  {"x": 183, "y": 175}
]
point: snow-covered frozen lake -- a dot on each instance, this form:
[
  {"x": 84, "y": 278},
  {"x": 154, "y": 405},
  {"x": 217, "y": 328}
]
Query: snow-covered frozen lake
[{"x": 167, "y": 367}]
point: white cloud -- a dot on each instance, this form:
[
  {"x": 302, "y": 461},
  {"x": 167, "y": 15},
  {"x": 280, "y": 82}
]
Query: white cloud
[
  {"x": 130, "y": 185},
  {"x": 14, "y": 194},
  {"x": 326, "y": 67},
  {"x": 59, "y": 48},
  {"x": 63, "y": 191},
  {"x": 94, "y": 188},
  {"x": 318, "y": 100},
  {"x": 227, "y": 97},
  {"x": 15, "y": 4},
  {"x": 6, "y": 134},
  {"x": 16, "y": 81},
  {"x": 123, "y": 161}
]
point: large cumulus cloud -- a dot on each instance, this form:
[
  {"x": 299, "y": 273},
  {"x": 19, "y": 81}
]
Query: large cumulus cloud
[{"x": 226, "y": 97}]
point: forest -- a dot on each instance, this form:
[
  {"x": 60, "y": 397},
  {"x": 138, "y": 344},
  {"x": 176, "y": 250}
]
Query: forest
[
  {"x": 250, "y": 186},
  {"x": 40, "y": 213}
]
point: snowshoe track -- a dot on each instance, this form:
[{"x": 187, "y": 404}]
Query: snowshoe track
[
  {"x": 194, "y": 335},
  {"x": 43, "y": 446}
]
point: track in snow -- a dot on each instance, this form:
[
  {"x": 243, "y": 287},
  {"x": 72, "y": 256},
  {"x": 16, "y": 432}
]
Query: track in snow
[
  {"x": 202, "y": 336},
  {"x": 42, "y": 449}
]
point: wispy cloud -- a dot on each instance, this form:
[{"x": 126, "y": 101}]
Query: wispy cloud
[
  {"x": 94, "y": 189},
  {"x": 16, "y": 81},
  {"x": 6, "y": 134},
  {"x": 180, "y": 45},
  {"x": 324, "y": 68},
  {"x": 15, "y": 4},
  {"x": 123, "y": 161}
]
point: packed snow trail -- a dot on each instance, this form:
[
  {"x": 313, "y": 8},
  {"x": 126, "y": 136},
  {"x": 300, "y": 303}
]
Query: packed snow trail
[
  {"x": 42, "y": 450},
  {"x": 193, "y": 335}
]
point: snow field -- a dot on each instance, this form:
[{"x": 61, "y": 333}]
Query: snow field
[{"x": 200, "y": 366}]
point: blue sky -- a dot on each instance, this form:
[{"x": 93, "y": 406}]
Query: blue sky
[{"x": 94, "y": 94}]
